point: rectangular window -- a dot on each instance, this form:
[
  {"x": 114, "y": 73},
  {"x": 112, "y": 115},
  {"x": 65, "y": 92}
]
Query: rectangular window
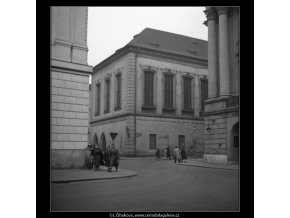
[
  {"x": 204, "y": 95},
  {"x": 168, "y": 91},
  {"x": 152, "y": 141},
  {"x": 148, "y": 88},
  {"x": 107, "y": 108},
  {"x": 97, "y": 106},
  {"x": 187, "y": 93},
  {"x": 118, "y": 91}
]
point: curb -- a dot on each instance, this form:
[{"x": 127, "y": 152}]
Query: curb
[
  {"x": 103, "y": 178},
  {"x": 212, "y": 167}
]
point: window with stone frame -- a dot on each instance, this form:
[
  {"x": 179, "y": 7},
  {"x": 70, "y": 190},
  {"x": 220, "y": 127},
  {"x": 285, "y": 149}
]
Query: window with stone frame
[
  {"x": 187, "y": 96},
  {"x": 118, "y": 91},
  {"x": 168, "y": 91},
  {"x": 148, "y": 88},
  {"x": 107, "y": 95},
  {"x": 203, "y": 92},
  {"x": 98, "y": 96},
  {"x": 152, "y": 141}
]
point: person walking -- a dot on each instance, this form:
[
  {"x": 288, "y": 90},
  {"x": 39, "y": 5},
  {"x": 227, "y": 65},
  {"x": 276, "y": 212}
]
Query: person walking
[
  {"x": 157, "y": 153},
  {"x": 97, "y": 158},
  {"x": 183, "y": 152},
  {"x": 168, "y": 153},
  {"x": 176, "y": 152},
  {"x": 114, "y": 158},
  {"x": 107, "y": 157}
]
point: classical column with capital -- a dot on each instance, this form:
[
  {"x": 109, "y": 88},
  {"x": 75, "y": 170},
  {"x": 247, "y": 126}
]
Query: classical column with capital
[
  {"x": 224, "y": 51},
  {"x": 212, "y": 52}
]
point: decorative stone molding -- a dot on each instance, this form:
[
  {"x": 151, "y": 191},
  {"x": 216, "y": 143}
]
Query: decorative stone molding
[
  {"x": 187, "y": 74},
  {"x": 169, "y": 71},
  {"x": 148, "y": 67},
  {"x": 210, "y": 14},
  {"x": 222, "y": 10},
  {"x": 108, "y": 76},
  {"x": 98, "y": 82}
]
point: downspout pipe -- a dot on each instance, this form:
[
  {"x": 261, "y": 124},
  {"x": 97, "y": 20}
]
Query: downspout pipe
[{"x": 135, "y": 104}]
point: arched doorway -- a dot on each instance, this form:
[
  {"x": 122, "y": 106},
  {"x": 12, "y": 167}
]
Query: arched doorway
[
  {"x": 95, "y": 141},
  {"x": 235, "y": 143},
  {"x": 103, "y": 142}
]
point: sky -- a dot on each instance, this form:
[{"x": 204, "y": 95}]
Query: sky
[{"x": 110, "y": 28}]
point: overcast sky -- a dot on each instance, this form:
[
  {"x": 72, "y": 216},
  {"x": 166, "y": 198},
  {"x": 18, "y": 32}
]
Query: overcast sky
[{"x": 110, "y": 28}]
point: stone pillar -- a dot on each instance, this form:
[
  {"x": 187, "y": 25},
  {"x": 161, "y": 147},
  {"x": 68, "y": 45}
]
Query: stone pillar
[
  {"x": 178, "y": 94},
  {"x": 212, "y": 52},
  {"x": 224, "y": 52},
  {"x": 159, "y": 90}
]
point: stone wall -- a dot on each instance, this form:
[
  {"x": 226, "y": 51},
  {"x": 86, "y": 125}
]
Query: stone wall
[
  {"x": 116, "y": 126},
  {"x": 218, "y": 139},
  {"x": 179, "y": 69},
  {"x": 167, "y": 131},
  {"x": 69, "y": 115}
]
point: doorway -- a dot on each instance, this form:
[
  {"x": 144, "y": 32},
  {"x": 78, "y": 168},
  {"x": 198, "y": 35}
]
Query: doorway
[
  {"x": 181, "y": 140},
  {"x": 235, "y": 142}
]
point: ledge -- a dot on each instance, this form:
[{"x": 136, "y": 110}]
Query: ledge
[{"x": 168, "y": 109}]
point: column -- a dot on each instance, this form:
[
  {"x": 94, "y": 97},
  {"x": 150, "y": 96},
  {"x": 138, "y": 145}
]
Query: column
[
  {"x": 159, "y": 90},
  {"x": 212, "y": 52},
  {"x": 178, "y": 94},
  {"x": 224, "y": 52}
]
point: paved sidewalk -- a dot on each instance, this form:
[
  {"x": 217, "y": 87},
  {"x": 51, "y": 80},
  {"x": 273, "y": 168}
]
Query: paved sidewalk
[
  {"x": 75, "y": 175},
  {"x": 199, "y": 162}
]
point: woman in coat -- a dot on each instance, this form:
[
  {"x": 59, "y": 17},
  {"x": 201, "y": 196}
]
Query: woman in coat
[
  {"x": 183, "y": 153},
  {"x": 107, "y": 157},
  {"x": 114, "y": 158},
  {"x": 97, "y": 158},
  {"x": 176, "y": 152}
]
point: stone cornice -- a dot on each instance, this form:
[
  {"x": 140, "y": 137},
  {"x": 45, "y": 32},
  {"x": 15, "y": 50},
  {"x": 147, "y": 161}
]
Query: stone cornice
[
  {"x": 224, "y": 111},
  {"x": 146, "y": 115},
  {"x": 152, "y": 52},
  {"x": 69, "y": 66}
]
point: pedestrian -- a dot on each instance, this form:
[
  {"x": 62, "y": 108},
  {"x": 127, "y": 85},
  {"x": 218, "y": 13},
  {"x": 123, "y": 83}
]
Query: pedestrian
[
  {"x": 114, "y": 158},
  {"x": 157, "y": 153},
  {"x": 97, "y": 158},
  {"x": 183, "y": 152},
  {"x": 168, "y": 153},
  {"x": 176, "y": 152},
  {"x": 107, "y": 157},
  {"x": 165, "y": 153}
]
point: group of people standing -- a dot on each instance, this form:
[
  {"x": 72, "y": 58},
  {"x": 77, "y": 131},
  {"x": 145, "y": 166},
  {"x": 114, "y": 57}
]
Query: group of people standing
[
  {"x": 110, "y": 157},
  {"x": 179, "y": 154}
]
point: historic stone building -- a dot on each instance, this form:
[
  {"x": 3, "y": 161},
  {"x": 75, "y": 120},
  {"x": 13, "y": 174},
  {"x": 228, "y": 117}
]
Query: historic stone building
[
  {"x": 69, "y": 86},
  {"x": 151, "y": 93},
  {"x": 221, "y": 125}
]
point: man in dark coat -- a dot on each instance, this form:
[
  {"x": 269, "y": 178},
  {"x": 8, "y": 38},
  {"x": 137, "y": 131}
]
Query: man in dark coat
[
  {"x": 97, "y": 158},
  {"x": 158, "y": 156},
  {"x": 114, "y": 158},
  {"x": 168, "y": 153},
  {"x": 183, "y": 153},
  {"x": 107, "y": 157}
]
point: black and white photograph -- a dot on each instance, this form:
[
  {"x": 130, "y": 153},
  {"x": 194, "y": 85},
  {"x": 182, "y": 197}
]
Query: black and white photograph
[{"x": 144, "y": 111}]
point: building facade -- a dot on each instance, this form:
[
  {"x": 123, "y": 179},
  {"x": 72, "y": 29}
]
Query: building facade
[
  {"x": 221, "y": 125},
  {"x": 69, "y": 86},
  {"x": 151, "y": 92}
]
